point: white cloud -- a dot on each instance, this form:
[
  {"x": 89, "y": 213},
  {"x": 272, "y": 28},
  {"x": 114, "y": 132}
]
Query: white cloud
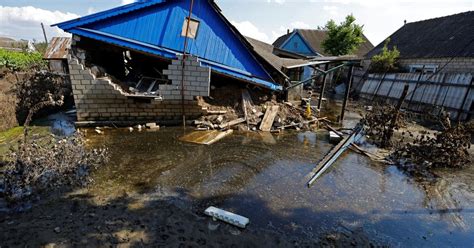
[
  {"x": 249, "y": 29},
  {"x": 25, "y": 22},
  {"x": 124, "y": 2},
  {"x": 91, "y": 10},
  {"x": 276, "y": 1},
  {"x": 332, "y": 10}
]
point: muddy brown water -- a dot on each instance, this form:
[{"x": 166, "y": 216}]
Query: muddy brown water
[{"x": 263, "y": 178}]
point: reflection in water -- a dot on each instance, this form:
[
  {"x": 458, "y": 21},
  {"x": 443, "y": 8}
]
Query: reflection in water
[{"x": 263, "y": 177}]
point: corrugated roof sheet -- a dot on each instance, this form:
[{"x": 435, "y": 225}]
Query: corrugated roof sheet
[
  {"x": 266, "y": 51},
  {"x": 449, "y": 36},
  {"x": 58, "y": 48}
]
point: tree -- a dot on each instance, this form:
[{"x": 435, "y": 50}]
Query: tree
[
  {"x": 386, "y": 61},
  {"x": 344, "y": 38}
]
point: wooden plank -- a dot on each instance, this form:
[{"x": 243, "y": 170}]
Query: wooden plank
[
  {"x": 231, "y": 123},
  {"x": 269, "y": 118},
  {"x": 205, "y": 137},
  {"x": 246, "y": 105},
  {"x": 334, "y": 154}
]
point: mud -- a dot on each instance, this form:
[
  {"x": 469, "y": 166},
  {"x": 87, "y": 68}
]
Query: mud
[{"x": 155, "y": 185}]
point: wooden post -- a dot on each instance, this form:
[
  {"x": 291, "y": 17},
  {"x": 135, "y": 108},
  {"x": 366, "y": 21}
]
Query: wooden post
[
  {"x": 44, "y": 33},
  {"x": 348, "y": 90},
  {"x": 323, "y": 87},
  {"x": 461, "y": 109}
]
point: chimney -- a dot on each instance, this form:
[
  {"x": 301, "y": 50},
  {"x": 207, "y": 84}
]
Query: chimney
[
  {"x": 405, "y": 22},
  {"x": 288, "y": 31}
]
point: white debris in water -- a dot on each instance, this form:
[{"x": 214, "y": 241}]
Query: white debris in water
[{"x": 228, "y": 217}]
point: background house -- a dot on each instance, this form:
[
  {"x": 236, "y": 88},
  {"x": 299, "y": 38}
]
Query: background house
[
  {"x": 308, "y": 42},
  {"x": 444, "y": 43},
  {"x": 436, "y": 61}
]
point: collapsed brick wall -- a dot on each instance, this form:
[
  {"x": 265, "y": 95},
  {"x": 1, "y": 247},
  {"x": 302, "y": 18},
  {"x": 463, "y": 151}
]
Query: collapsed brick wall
[
  {"x": 196, "y": 79},
  {"x": 98, "y": 99}
]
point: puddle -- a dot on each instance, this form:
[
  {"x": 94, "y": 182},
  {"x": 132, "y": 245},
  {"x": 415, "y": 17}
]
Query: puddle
[{"x": 263, "y": 178}]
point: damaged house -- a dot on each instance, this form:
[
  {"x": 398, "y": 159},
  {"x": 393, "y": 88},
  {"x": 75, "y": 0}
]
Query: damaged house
[{"x": 154, "y": 60}]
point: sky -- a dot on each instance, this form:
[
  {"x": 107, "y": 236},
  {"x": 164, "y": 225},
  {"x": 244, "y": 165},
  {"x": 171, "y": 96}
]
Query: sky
[{"x": 264, "y": 20}]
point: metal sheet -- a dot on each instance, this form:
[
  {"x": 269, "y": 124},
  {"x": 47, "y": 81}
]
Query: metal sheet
[
  {"x": 160, "y": 25},
  {"x": 58, "y": 48}
]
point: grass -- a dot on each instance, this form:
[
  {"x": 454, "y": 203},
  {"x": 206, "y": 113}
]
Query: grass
[{"x": 10, "y": 137}]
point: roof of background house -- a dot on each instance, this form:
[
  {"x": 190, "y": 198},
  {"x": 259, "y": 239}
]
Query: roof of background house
[
  {"x": 58, "y": 48},
  {"x": 449, "y": 36},
  {"x": 265, "y": 50},
  {"x": 229, "y": 54},
  {"x": 316, "y": 37}
]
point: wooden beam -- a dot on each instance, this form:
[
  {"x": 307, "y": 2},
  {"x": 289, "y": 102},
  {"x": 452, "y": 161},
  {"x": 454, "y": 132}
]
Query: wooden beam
[
  {"x": 231, "y": 123},
  {"x": 334, "y": 154},
  {"x": 269, "y": 118}
]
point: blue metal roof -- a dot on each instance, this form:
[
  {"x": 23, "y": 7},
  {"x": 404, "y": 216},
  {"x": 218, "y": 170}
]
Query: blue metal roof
[{"x": 155, "y": 27}]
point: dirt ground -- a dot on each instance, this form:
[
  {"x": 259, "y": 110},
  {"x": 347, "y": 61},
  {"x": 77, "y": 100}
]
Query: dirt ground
[{"x": 79, "y": 220}]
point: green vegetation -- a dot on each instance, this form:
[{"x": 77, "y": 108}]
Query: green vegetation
[
  {"x": 40, "y": 46},
  {"x": 9, "y": 139},
  {"x": 386, "y": 61},
  {"x": 20, "y": 61},
  {"x": 344, "y": 38}
]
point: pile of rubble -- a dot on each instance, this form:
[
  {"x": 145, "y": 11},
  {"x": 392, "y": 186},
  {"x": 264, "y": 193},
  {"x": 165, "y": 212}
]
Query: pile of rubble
[
  {"x": 381, "y": 122},
  {"x": 417, "y": 153},
  {"x": 254, "y": 113},
  {"x": 448, "y": 148}
]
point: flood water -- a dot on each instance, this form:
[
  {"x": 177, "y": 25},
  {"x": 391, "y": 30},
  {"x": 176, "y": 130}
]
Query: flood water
[{"x": 263, "y": 177}]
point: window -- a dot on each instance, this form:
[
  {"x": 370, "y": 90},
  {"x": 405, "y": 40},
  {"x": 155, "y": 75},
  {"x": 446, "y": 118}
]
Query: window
[
  {"x": 193, "y": 28},
  {"x": 424, "y": 68}
]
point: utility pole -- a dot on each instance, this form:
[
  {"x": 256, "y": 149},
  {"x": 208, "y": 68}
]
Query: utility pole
[
  {"x": 44, "y": 34},
  {"x": 183, "y": 63}
]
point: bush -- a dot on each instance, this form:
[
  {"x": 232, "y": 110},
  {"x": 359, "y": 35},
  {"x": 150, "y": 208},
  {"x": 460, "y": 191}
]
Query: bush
[
  {"x": 21, "y": 61},
  {"x": 386, "y": 61},
  {"x": 39, "y": 165},
  {"x": 38, "y": 88},
  {"x": 448, "y": 148}
]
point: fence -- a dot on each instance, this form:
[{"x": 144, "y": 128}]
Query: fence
[{"x": 452, "y": 92}]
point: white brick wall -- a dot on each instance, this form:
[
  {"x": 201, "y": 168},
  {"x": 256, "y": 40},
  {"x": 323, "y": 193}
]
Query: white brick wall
[
  {"x": 197, "y": 79},
  {"x": 99, "y": 99}
]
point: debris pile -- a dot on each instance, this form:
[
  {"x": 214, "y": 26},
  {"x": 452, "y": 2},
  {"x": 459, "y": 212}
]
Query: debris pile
[
  {"x": 248, "y": 112},
  {"x": 448, "y": 148},
  {"x": 39, "y": 165},
  {"x": 381, "y": 122}
]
